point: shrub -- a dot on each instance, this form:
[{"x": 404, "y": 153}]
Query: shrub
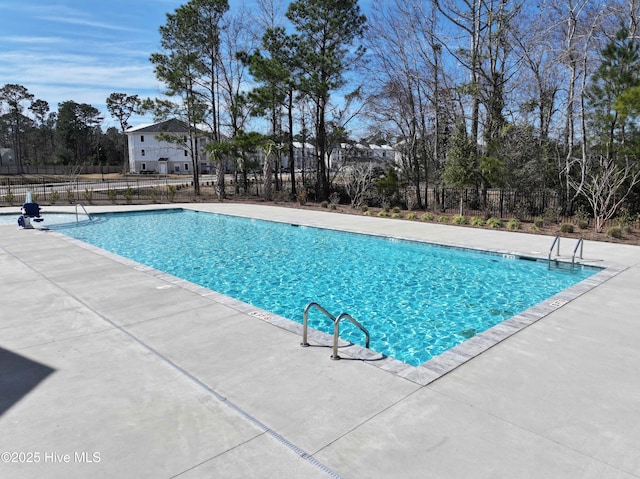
[
  {"x": 171, "y": 192},
  {"x": 534, "y": 228},
  {"x": 324, "y": 204},
  {"x": 333, "y": 206},
  {"x": 412, "y": 216},
  {"x": 128, "y": 194},
  {"x": 513, "y": 224},
  {"x": 494, "y": 222},
  {"x": 397, "y": 215},
  {"x": 477, "y": 221},
  {"x": 112, "y": 195},
  {"x": 70, "y": 195},
  {"x": 583, "y": 224},
  {"x": 383, "y": 214},
  {"x": 566, "y": 228},
  {"x": 364, "y": 208},
  {"x": 427, "y": 217},
  {"x": 301, "y": 197},
  {"x": 154, "y": 194},
  {"x": 538, "y": 222},
  {"x": 54, "y": 197},
  {"x": 458, "y": 220},
  {"x": 615, "y": 232},
  {"x": 9, "y": 196},
  {"x": 367, "y": 213},
  {"x": 443, "y": 219},
  {"x": 88, "y": 195},
  {"x": 396, "y": 210}
]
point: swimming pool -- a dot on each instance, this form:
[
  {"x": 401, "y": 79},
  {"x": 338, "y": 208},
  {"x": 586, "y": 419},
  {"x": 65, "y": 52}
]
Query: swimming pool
[{"x": 417, "y": 300}]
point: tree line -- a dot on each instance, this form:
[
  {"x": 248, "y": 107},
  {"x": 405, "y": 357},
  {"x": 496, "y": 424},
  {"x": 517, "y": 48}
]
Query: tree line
[{"x": 476, "y": 94}]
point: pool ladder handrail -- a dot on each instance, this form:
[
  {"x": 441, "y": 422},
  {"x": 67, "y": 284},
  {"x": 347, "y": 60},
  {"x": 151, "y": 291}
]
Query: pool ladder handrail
[
  {"x": 580, "y": 244},
  {"x": 336, "y": 327},
  {"x": 556, "y": 241},
  {"x": 83, "y": 209}
]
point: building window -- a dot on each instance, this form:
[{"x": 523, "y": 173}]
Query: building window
[
  {"x": 142, "y": 153},
  {"x": 144, "y": 166},
  {"x": 176, "y": 168},
  {"x": 186, "y": 153},
  {"x": 142, "y": 138},
  {"x": 186, "y": 167}
]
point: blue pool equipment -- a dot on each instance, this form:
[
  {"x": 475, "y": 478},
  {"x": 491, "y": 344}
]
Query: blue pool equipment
[{"x": 30, "y": 211}]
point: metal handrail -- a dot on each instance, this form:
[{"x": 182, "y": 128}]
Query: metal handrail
[
  {"x": 85, "y": 211},
  {"x": 305, "y": 320},
  {"x": 580, "y": 243},
  {"x": 336, "y": 327},
  {"x": 336, "y": 332},
  {"x": 555, "y": 240}
]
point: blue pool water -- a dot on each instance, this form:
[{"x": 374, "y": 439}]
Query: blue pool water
[{"x": 417, "y": 300}]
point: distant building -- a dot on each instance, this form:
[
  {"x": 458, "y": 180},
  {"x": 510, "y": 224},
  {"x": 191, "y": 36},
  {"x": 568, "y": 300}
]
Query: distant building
[
  {"x": 150, "y": 154},
  {"x": 346, "y": 154}
]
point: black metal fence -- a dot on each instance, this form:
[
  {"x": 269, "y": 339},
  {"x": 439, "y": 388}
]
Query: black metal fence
[{"x": 524, "y": 205}]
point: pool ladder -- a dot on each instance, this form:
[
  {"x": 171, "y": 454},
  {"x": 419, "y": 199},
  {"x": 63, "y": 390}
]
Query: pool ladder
[
  {"x": 336, "y": 327},
  {"x": 83, "y": 209},
  {"x": 556, "y": 243}
]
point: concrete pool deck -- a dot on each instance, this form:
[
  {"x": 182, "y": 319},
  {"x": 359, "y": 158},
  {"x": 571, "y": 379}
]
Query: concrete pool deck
[{"x": 111, "y": 369}]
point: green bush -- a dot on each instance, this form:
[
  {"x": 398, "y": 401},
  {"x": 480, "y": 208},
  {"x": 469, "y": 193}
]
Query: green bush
[
  {"x": 154, "y": 194},
  {"x": 112, "y": 195},
  {"x": 534, "y": 228},
  {"x": 367, "y": 213},
  {"x": 427, "y": 217},
  {"x": 70, "y": 195},
  {"x": 128, "y": 194},
  {"x": 538, "y": 222},
  {"x": 9, "y": 196},
  {"x": 324, "y": 204},
  {"x": 396, "y": 210},
  {"x": 566, "y": 228},
  {"x": 88, "y": 195},
  {"x": 397, "y": 215},
  {"x": 583, "y": 224},
  {"x": 494, "y": 222},
  {"x": 383, "y": 214},
  {"x": 412, "y": 216},
  {"x": 513, "y": 224},
  {"x": 458, "y": 220},
  {"x": 364, "y": 208},
  {"x": 615, "y": 232},
  {"x": 443, "y": 219},
  {"x": 53, "y": 197},
  {"x": 477, "y": 221},
  {"x": 171, "y": 193}
]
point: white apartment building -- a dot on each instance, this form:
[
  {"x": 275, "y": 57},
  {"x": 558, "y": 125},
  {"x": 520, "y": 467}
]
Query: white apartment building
[{"x": 150, "y": 154}]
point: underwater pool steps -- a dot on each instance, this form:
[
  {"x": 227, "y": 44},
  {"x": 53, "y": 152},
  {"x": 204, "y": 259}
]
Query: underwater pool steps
[{"x": 336, "y": 327}]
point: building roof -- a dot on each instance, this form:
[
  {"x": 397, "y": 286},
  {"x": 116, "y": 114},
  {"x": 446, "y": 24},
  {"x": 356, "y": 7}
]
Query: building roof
[{"x": 168, "y": 126}]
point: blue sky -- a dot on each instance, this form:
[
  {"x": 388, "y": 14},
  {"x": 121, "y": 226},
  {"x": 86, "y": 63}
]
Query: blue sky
[{"x": 82, "y": 50}]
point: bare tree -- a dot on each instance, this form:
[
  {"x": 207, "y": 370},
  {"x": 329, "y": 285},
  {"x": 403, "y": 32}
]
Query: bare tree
[
  {"x": 358, "y": 180},
  {"x": 604, "y": 184}
]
